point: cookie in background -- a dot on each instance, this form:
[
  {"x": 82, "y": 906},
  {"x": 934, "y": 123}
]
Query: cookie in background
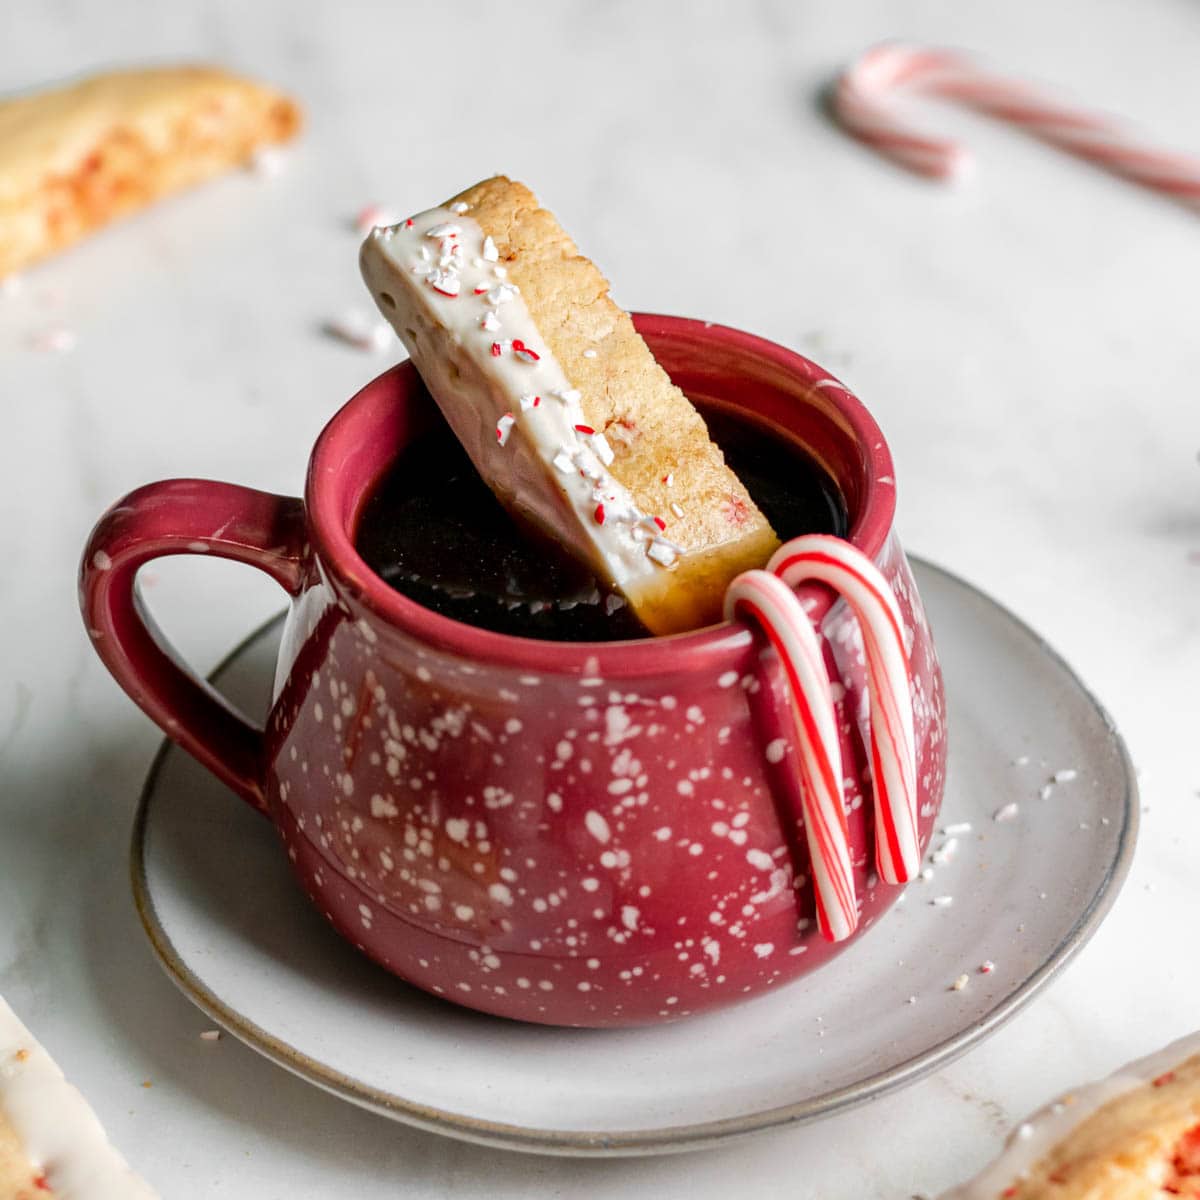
[{"x": 75, "y": 158}]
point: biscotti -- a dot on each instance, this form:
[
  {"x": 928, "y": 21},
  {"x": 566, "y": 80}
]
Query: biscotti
[
  {"x": 561, "y": 405},
  {"x": 1132, "y": 1136},
  {"x": 75, "y": 158},
  {"x": 51, "y": 1144}
]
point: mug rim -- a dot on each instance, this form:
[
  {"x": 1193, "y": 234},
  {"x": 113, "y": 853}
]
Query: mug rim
[{"x": 349, "y": 576}]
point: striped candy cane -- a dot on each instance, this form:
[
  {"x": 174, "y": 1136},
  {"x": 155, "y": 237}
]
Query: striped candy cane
[
  {"x": 771, "y": 604},
  {"x": 864, "y": 99},
  {"x": 848, "y": 571},
  {"x": 767, "y": 597}
]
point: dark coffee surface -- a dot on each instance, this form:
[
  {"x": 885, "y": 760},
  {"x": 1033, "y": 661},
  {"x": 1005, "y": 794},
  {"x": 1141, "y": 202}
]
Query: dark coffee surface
[{"x": 434, "y": 531}]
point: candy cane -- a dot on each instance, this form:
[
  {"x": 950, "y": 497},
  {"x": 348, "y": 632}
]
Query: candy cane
[
  {"x": 848, "y": 571},
  {"x": 774, "y": 606},
  {"x": 863, "y": 102}
]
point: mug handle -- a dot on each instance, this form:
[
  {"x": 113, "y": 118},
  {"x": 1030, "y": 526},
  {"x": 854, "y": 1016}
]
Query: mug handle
[{"x": 186, "y": 516}]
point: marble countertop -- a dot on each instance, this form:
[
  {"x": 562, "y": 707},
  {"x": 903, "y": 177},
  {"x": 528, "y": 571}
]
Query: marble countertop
[{"x": 1028, "y": 342}]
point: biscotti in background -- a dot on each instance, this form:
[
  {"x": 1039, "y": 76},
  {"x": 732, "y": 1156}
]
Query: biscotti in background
[
  {"x": 75, "y": 158},
  {"x": 561, "y": 405},
  {"x": 1132, "y": 1136},
  {"x": 52, "y": 1146}
]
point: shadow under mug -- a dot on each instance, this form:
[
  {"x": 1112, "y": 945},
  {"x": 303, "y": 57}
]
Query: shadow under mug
[{"x": 587, "y": 834}]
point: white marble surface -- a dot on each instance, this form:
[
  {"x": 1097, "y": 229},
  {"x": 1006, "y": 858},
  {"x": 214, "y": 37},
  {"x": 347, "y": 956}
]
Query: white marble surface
[{"x": 1027, "y": 341}]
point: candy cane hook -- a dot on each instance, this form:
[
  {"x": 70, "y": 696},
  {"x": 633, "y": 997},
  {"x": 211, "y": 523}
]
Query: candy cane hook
[
  {"x": 768, "y": 599},
  {"x": 849, "y": 572},
  {"x": 772, "y": 605},
  {"x": 864, "y": 103}
]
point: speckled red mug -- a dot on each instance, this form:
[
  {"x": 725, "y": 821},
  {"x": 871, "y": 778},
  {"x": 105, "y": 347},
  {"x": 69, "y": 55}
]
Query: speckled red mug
[{"x": 583, "y": 834}]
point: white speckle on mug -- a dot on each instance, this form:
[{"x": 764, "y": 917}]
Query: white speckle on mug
[
  {"x": 597, "y": 826},
  {"x": 776, "y": 749}
]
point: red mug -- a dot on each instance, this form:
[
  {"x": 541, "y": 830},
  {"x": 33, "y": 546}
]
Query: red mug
[{"x": 584, "y": 834}]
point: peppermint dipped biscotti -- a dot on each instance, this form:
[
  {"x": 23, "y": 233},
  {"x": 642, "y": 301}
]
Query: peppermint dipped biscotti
[
  {"x": 52, "y": 1147},
  {"x": 560, "y": 404},
  {"x": 74, "y": 158},
  {"x": 1132, "y": 1136}
]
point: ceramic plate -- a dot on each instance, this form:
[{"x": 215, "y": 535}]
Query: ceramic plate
[{"x": 1020, "y": 894}]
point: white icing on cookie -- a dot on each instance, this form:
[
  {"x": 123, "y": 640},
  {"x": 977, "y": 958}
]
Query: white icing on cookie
[
  {"x": 437, "y": 279},
  {"x": 1035, "y": 1137},
  {"x": 60, "y": 1134}
]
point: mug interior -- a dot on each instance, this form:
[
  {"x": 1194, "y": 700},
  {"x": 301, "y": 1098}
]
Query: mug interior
[{"x": 717, "y": 367}]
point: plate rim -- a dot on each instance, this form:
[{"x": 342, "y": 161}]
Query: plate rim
[{"x": 672, "y": 1138}]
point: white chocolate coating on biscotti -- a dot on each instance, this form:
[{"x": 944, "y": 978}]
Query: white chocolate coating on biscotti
[
  {"x": 504, "y": 394},
  {"x": 57, "y": 1131},
  {"x": 1119, "y": 1102},
  {"x": 503, "y": 300}
]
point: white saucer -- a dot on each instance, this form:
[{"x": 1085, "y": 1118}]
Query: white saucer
[{"x": 235, "y": 933}]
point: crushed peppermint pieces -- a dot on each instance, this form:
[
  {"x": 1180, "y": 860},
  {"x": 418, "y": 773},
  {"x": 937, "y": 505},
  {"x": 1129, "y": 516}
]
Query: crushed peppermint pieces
[
  {"x": 53, "y": 341},
  {"x": 676, "y": 509},
  {"x": 358, "y": 331},
  {"x": 986, "y": 967},
  {"x": 502, "y": 293},
  {"x": 446, "y": 283},
  {"x": 489, "y": 322},
  {"x": 373, "y": 216},
  {"x": 586, "y": 429},
  {"x": 490, "y": 253},
  {"x": 669, "y": 479},
  {"x": 589, "y": 354},
  {"x": 1007, "y": 812},
  {"x": 662, "y": 552},
  {"x": 268, "y": 162},
  {"x": 945, "y": 852},
  {"x": 598, "y": 515},
  {"x": 504, "y": 427},
  {"x": 459, "y": 207},
  {"x": 942, "y": 901},
  {"x": 563, "y": 463},
  {"x": 604, "y": 452},
  {"x": 960, "y": 983},
  {"x": 528, "y": 402},
  {"x": 210, "y": 1035},
  {"x": 523, "y": 352},
  {"x": 955, "y": 830}
]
